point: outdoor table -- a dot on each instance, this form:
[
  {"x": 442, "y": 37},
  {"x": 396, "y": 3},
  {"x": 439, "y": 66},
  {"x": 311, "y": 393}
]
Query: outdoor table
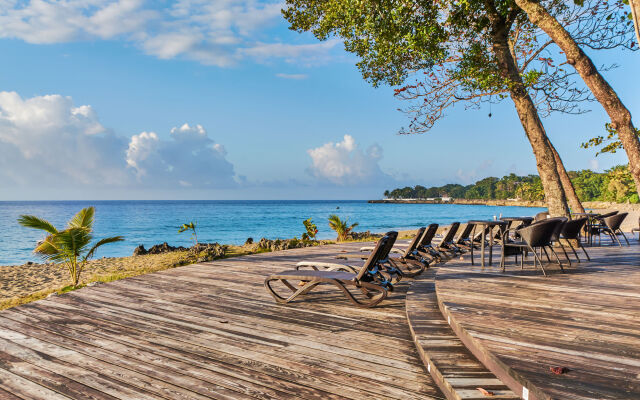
[
  {"x": 511, "y": 220},
  {"x": 590, "y": 218},
  {"x": 486, "y": 226}
]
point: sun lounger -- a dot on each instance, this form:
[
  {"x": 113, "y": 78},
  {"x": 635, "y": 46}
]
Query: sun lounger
[
  {"x": 388, "y": 270},
  {"x": 366, "y": 279},
  {"x": 447, "y": 245},
  {"x": 426, "y": 249},
  {"x": 410, "y": 263},
  {"x": 464, "y": 241}
]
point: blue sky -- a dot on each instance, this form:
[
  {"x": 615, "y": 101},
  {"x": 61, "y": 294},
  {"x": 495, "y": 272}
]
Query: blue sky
[{"x": 218, "y": 100}]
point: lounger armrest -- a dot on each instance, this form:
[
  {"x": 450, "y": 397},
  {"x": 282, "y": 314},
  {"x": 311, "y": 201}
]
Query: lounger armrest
[
  {"x": 346, "y": 256},
  {"x": 324, "y": 266}
]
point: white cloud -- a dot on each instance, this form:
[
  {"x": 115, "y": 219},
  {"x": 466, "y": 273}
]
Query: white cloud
[
  {"x": 46, "y": 141},
  {"x": 307, "y": 53},
  {"x": 41, "y": 21},
  {"x": 293, "y": 76},
  {"x": 189, "y": 158},
  {"x": 343, "y": 163},
  {"x": 219, "y": 32}
]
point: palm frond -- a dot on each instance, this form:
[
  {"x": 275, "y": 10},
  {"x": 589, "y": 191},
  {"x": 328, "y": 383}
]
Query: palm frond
[
  {"x": 103, "y": 242},
  {"x": 49, "y": 250},
  {"x": 73, "y": 240},
  {"x": 83, "y": 219},
  {"x": 31, "y": 221},
  {"x": 47, "y": 247}
]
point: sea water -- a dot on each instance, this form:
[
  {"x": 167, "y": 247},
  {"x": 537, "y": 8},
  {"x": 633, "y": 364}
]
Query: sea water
[{"x": 228, "y": 222}]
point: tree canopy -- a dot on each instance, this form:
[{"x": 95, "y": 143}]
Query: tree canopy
[{"x": 615, "y": 185}]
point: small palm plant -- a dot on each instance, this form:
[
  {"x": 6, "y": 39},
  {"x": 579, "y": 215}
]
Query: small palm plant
[
  {"x": 69, "y": 247},
  {"x": 191, "y": 226},
  {"x": 342, "y": 227},
  {"x": 311, "y": 230}
]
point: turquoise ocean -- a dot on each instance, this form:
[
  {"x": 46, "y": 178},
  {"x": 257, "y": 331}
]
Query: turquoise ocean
[{"x": 229, "y": 222}]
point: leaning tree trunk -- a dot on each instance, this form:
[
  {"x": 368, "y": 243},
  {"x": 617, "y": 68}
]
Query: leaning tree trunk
[
  {"x": 528, "y": 114},
  {"x": 604, "y": 93},
  {"x": 635, "y": 13},
  {"x": 569, "y": 190}
]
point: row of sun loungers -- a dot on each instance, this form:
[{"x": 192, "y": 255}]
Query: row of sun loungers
[
  {"x": 380, "y": 271},
  {"x": 385, "y": 264}
]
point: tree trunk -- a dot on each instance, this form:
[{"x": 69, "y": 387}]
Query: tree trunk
[
  {"x": 569, "y": 190},
  {"x": 528, "y": 114},
  {"x": 603, "y": 92},
  {"x": 635, "y": 13}
]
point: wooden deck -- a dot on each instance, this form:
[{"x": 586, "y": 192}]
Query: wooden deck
[
  {"x": 456, "y": 371},
  {"x": 519, "y": 324},
  {"x": 210, "y": 331}
]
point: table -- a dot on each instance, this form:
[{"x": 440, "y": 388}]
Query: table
[
  {"x": 486, "y": 226},
  {"x": 510, "y": 220}
]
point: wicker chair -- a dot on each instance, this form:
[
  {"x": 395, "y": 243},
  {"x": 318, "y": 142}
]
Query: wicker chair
[
  {"x": 612, "y": 227},
  {"x": 535, "y": 236},
  {"x": 571, "y": 233}
]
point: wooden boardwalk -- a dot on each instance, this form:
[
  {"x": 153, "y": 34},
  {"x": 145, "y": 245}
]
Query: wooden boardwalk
[
  {"x": 456, "y": 371},
  {"x": 520, "y": 324},
  {"x": 210, "y": 331}
]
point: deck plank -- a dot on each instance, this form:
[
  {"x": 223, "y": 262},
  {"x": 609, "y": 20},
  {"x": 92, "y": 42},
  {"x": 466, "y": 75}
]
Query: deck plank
[
  {"x": 458, "y": 373},
  {"x": 520, "y": 323},
  {"x": 211, "y": 330}
]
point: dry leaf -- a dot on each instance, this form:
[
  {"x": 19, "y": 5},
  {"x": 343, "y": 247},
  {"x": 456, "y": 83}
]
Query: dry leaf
[
  {"x": 485, "y": 392},
  {"x": 559, "y": 370}
]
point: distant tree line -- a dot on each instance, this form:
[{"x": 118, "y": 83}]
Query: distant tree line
[{"x": 615, "y": 185}]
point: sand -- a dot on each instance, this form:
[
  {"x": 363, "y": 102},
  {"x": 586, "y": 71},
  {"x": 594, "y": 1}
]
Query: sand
[{"x": 18, "y": 281}]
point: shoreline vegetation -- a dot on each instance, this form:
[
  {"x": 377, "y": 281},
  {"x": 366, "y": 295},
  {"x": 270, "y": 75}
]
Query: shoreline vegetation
[
  {"x": 590, "y": 205},
  {"x": 614, "y": 185}
]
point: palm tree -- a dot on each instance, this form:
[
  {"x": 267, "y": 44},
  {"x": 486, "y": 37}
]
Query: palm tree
[
  {"x": 192, "y": 227},
  {"x": 342, "y": 227},
  {"x": 70, "y": 246}
]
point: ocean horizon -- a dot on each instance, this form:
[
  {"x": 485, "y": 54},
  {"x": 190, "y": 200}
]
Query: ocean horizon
[{"x": 149, "y": 222}]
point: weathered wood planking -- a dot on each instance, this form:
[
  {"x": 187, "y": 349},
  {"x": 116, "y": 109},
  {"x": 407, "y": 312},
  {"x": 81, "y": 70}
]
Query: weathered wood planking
[
  {"x": 519, "y": 323},
  {"x": 211, "y": 331},
  {"x": 458, "y": 373}
]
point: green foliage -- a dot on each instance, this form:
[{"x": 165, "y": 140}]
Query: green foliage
[
  {"x": 311, "y": 230},
  {"x": 610, "y": 144},
  {"x": 342, "y": 227},
  {"x": 391, "y": 39},
  {"x": 71, "y": 246},
  {"x": 619, "y": 184},
  {"x": 439, "y": 53},
  {"x": 615, "y": 185},
  {"x": 191, "y": 226}
]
